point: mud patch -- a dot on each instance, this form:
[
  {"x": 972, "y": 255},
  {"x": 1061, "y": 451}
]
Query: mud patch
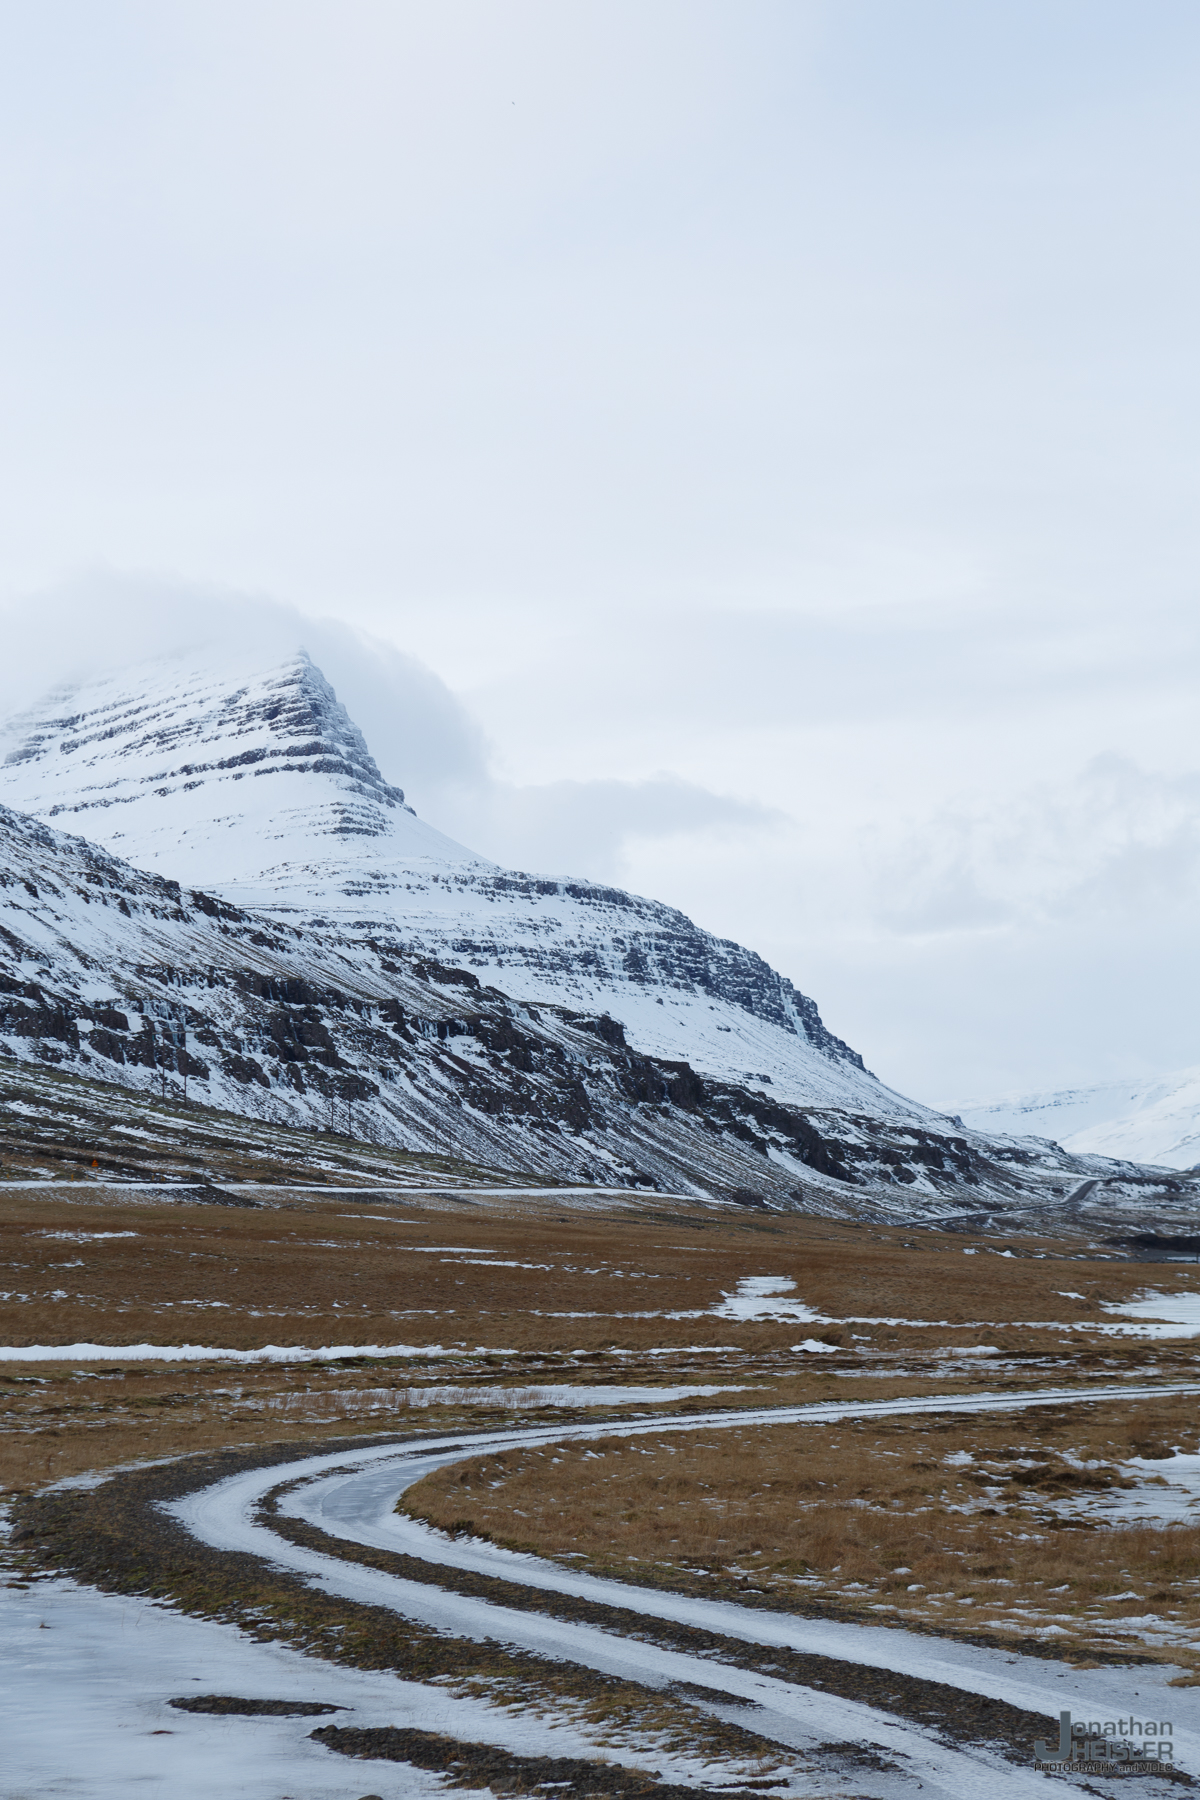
[
  {"x": 227, "y": 1704},
  {"x": 482, "y": 1765}
]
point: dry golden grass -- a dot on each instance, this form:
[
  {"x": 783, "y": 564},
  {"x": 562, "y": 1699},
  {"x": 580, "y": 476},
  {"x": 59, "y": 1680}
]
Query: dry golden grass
[
  {"x": 513, "y": 1292},
  {"x": 947, "y": 1520},
  {"x": 57, "y": 1423},
  {"x": 314, "y": 1266}
]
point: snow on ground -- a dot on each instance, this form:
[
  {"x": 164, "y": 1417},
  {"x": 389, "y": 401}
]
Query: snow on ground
[
  {"x": 83, "y": 1237},
  {"x": 360, "y": 1400},
  {"x": 790, "y": 1715},
  {"x": 760, "y": 1297},
  {"x": 85, "y": 1680},
  {"x": 270, "y": 1353},
  {"x": 756, "y": 1297},
  {"x": 1168, "y": 1493},
  {"x": 390, "y": 1399},
  {"x": 360, "y": 1506},
  {"x": 352, "y": 1187},
  {"x": 1155, "y": 1315},
  {"x": 83, "y": 1702},
  {"x": 1170, "y": 1309}
]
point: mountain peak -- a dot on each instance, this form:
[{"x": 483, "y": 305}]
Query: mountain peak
[
  {"x": 206, "y": 772},
  {"x": 255, "y": 784}
]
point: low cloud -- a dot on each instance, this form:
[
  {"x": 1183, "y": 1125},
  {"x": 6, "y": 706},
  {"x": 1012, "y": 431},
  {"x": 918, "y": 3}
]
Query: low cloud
[
  {"x": 592, "y": 827},
  {"x": 1117, "y": 843},
  {"x": 422, "y": 736}
]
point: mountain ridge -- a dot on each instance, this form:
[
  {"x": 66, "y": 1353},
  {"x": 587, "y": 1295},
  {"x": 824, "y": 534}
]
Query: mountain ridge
[
  {"x": 256, "y": 785},
  {"x": 123, "y": 975},
  {"x": 352, "y": 969}
]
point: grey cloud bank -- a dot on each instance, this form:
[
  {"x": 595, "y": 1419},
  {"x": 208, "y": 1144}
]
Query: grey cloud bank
[{"x": 746, "y": 455}]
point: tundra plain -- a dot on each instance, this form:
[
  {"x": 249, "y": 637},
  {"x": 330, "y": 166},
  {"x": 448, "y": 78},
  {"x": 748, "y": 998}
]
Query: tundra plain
[{"x": 310, "y": 1315}]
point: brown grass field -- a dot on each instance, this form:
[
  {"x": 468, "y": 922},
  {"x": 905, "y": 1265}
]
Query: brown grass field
[
  {"x": 945, "y": 1521},
  {"x": 882, "y": 1519}
]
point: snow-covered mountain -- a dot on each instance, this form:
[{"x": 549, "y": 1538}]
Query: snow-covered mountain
[
  {"x": 297, "y": 946},
  {"x": 1153, "y": 1121},
  {"x": 127, "y": 978},
  {"x": 255, "y": 784}
]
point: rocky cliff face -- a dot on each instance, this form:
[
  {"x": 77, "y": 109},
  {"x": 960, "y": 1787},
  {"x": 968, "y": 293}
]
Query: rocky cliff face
[
  {"x": 257, "y": 786},
  {"x": 130, "y": 978}
]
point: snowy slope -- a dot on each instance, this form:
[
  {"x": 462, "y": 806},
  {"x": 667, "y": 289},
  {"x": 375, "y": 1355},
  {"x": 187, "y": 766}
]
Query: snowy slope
[
  {"x": 127, "y": 978},
  {"x": 1153, "y": 1121},
  {"x": 165, "y": 765},
  {"x": 255, "y": 784}
]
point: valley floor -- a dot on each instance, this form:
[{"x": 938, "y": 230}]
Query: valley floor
[{"x": 690, "y": 1497}]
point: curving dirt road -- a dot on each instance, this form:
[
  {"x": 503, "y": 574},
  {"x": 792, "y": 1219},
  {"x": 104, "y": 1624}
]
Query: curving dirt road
[{"x": 796, "y": 1681}]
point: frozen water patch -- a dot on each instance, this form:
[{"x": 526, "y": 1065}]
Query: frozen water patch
[
  {"x": 1168, "y": 1309},
  {"x": 270, "y": 1353},
  {"x": 355, "y": 1402}
]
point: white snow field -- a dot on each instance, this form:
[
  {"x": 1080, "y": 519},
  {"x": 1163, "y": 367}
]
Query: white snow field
[
  {"x": 1154, "y": 1120},
  {"x": 85, "y": 1680},
  {"x": 253, "y": 783}
]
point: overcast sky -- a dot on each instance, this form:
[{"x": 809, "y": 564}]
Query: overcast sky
[{"x": 761, "y": 439}]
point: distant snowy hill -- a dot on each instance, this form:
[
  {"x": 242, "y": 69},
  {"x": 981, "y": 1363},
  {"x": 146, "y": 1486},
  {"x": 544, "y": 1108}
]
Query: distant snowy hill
[
  {"x": 1151, "y": 1121},
  {"x": 254, "y": 784}
]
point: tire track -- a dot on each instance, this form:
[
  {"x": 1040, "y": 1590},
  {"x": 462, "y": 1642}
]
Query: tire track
[{"x": 952, "y": 1729}]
